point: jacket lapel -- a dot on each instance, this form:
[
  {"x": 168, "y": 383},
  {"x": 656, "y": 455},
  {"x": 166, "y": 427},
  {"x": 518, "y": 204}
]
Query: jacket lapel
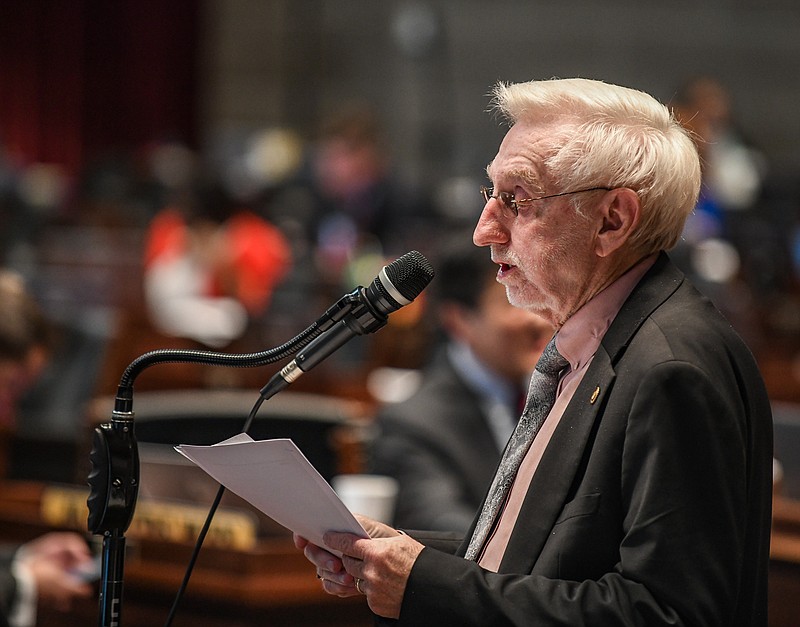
[{"x": 556, "y": 472}]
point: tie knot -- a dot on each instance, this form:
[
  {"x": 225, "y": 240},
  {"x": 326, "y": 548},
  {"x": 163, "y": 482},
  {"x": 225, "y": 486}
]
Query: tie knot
[{"x": 551, "y": 362}]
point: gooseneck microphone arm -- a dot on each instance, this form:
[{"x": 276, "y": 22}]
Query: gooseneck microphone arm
[
  {"x": 335, "y": 313},
  {"x": 114, "y": 475}
]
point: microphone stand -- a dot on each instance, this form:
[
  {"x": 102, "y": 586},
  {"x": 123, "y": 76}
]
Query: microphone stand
[{"x": 114, "y": 475}]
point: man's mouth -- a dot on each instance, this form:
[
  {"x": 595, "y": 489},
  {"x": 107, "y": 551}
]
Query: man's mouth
[
  {"x": 505, "y": 268},
  {"x": 503, "y": 259}
]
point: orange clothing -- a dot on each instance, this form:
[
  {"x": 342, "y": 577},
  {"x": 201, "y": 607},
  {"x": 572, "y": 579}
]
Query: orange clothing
[{"x": 255, "y": 251}]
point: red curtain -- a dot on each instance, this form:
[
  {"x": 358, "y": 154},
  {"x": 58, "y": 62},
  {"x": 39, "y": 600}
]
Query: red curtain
[{"x": 81, "y": 77}]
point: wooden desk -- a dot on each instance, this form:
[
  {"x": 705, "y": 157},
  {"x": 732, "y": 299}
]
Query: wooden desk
[
  {"x": 784, "y": 571},
  {"x": 271, "y": 584}
]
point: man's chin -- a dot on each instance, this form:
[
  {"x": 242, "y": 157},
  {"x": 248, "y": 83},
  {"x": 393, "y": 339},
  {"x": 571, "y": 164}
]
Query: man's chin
[
  {"x": 515, "y": 297},
  {"x": 518, "y": 298}
]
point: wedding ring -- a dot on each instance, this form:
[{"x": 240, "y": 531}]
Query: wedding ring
[{"x": 358, "y": 586}]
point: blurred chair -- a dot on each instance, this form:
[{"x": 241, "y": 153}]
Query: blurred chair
[{"x": 786, "y": 436}]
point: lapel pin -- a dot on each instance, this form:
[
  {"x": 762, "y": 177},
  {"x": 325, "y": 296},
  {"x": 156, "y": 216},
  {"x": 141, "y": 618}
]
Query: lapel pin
[{"x": 594, "y": 396}]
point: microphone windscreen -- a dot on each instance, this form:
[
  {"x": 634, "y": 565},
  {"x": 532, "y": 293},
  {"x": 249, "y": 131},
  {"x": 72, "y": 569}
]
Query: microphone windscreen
[{"x": 410, "y": 274}]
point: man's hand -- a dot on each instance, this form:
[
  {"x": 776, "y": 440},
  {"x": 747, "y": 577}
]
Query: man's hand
[{"x": 377, "y": 567}]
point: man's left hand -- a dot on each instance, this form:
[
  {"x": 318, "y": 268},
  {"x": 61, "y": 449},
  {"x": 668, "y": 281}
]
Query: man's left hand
[{"x": 377, "y": 567}]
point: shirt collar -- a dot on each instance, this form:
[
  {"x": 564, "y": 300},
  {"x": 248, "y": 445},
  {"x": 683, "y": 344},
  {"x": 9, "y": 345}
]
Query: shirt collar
[{"x": 581, "y": 335}]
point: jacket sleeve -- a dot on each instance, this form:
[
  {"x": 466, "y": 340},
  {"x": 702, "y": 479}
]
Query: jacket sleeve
[{"x": 8, "y": 585}]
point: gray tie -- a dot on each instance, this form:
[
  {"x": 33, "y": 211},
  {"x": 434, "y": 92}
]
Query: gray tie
[{"x": 541, "y": 396}]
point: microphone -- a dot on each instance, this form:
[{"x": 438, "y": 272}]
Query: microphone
[{"x": 366, "y": 311}]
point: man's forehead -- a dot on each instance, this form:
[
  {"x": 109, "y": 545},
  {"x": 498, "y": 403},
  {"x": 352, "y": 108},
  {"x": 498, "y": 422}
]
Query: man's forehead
[{"x": 521, "y": 155}]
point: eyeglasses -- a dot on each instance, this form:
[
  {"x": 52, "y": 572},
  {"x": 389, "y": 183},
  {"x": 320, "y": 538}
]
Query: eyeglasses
[{"x": 509, "y": 203}]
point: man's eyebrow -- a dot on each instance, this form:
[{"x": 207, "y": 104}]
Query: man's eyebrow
[{"x": 528, "y": 176}]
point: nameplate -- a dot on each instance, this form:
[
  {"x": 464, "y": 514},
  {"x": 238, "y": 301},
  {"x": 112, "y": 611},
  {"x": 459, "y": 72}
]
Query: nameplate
[{"x": 64, "y": 506}]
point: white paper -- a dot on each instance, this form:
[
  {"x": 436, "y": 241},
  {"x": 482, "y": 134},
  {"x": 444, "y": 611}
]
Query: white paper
[{"x": 275, "y": 477}]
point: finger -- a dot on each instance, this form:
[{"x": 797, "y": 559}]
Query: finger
[
  {"x": 339, "y": 590},
  {"x": 78, "y": 588},
  {"x": 374, "y": 528},
  {"x": 341, "y": 577},
  {"x": 336, "y": 541},
  {"x": 322, "y": 558},
  {"x": 346, "y": 543},
  {"x": 353, "y": 565}
]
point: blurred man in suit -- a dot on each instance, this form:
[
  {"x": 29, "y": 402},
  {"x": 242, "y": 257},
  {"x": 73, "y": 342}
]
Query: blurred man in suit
[{"x": 44, "y": 570}]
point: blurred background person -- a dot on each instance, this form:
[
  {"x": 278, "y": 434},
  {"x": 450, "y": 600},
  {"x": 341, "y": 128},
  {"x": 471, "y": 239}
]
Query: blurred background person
[
  {"x": 48, "y": 570},
  {"x": 210, "y": 267},
  {"x": 361, "y": 211},
  {"x": 25, "y": 344},
  {"x": 348, "y": 211},
  {"x": 44, "y": 570},
  {"x": 443, "y": 443},
  {"x": 728, "y": 248},
  {"x": 734, "y": 170}
]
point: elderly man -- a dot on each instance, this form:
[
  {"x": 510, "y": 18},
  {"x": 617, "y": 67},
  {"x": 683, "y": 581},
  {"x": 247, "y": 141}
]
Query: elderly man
[{"x": 640, "y": 495}]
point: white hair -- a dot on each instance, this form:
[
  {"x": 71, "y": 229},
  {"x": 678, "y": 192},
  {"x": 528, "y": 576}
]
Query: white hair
[{"x": 611, "y": 136}]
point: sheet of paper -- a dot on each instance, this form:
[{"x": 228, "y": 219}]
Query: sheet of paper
[{"x": 275, "y": 477}]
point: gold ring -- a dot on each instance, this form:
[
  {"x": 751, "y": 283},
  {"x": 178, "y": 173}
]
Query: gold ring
[{"x": 358, "y": 586}]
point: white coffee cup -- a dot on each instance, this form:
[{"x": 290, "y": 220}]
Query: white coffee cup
[{"x": 371, "y": 495}]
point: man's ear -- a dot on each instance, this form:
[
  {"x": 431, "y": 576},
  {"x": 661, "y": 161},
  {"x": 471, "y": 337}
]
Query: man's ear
[{"x": 620, "y": 212}]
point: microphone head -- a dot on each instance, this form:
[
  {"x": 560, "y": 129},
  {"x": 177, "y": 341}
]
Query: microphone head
[{"x": 400, "y": 282}]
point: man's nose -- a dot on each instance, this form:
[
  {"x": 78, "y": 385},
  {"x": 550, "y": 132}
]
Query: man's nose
[{"x": 490, "y": 228}]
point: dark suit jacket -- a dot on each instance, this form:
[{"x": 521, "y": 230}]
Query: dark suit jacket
[
  {"x": 651, "y": 505},
  {"x": 8, "y": 585},
  {"x": 439, "y": 447}
]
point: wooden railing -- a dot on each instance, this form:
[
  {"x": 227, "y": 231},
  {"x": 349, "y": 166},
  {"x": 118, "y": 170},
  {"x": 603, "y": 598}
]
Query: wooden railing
[{"x": 268, "y": 584}]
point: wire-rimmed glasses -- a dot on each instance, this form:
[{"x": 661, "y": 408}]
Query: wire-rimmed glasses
[{"x": 511, "y": 204}]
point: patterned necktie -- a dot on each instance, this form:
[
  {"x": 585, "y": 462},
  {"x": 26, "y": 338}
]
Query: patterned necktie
[{"x": 541, "y": 396}]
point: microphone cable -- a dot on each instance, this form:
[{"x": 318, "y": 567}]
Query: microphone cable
[{"x": 207, "y": 525}]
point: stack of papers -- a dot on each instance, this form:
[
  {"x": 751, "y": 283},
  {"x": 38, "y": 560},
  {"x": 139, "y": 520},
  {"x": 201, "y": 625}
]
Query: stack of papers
[{"x": 275, "y": 477}]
